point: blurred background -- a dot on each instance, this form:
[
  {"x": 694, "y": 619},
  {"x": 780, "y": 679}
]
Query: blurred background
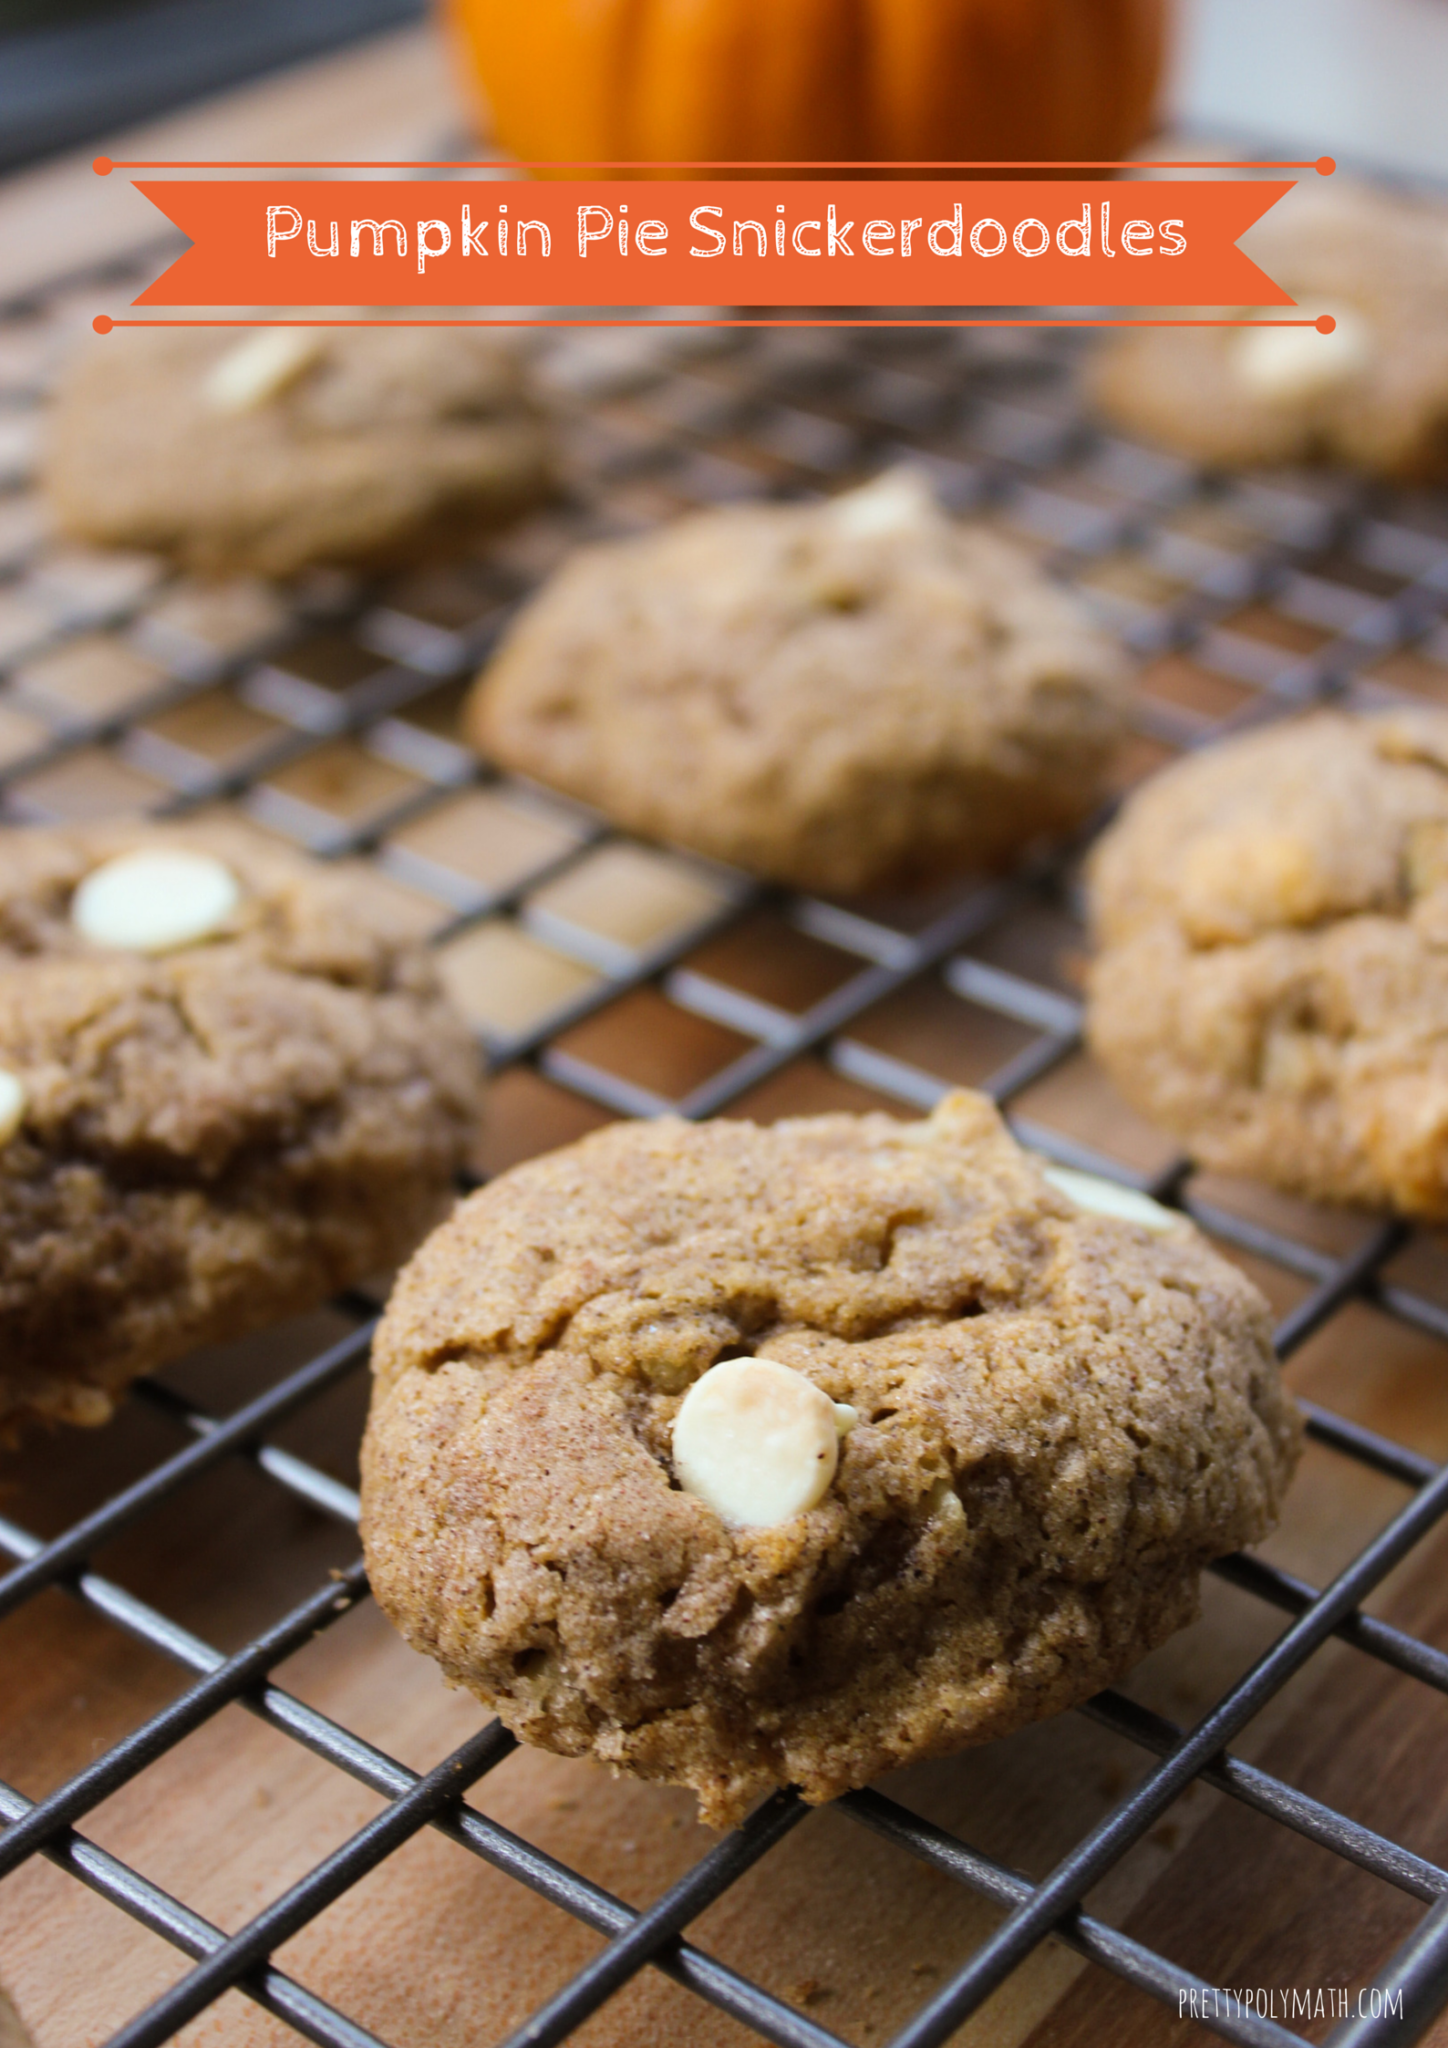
[
  {"x": 1362, "y": 77},
  {"x": 72, "y": 70}
]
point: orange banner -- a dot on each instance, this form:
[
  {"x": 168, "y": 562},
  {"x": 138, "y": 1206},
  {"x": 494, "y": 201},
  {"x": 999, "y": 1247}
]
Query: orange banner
[{"x": 772, "y": 242}]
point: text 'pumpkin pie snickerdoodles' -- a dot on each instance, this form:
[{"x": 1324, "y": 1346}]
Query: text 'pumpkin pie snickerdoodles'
[
  {"x": 1373, "y": 393},
  {"x": 740, "y": 1457},
  {"x": 831, "y": 695},
  {"x": 292, "y": 446},
  {"x": 228, "y": 1087},
  {"x": 1272, "y": 978}
]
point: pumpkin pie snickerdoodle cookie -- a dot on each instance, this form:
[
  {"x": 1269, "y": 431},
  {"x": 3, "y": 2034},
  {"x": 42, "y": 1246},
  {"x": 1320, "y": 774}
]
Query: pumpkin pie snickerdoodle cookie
[
  {"x": 1374, "y": 393},
  {"x": 739, "y": 1457},
  {"x": 227, "y": 1087},
  {"x": 830, "y": 695},
  {"x": 1272, "y": 979},
  {"x": 292, "y": 446}
]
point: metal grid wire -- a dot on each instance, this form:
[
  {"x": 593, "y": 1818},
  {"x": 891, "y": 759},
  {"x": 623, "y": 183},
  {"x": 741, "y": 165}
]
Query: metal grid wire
[{"x": 326, "y": 712}]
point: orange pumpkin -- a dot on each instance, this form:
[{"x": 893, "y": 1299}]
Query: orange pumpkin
[{"x": 793, "y": 80}]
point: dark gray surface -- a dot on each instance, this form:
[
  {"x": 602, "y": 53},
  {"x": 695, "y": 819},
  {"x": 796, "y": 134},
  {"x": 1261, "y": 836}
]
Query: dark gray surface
[{"x": 62, "y": 86}]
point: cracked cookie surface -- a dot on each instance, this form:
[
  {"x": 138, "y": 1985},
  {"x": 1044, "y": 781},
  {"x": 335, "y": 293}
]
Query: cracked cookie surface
[
  {"x": 1271, "y": 984},
  {"x": 830, "y": 695},
  {"x": 1060, "y": 1418},
  {"x": 378, "y": 446},
  {"x": 214, "y": 1137}
]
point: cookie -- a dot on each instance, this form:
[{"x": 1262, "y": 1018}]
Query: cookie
[
  {"x": 1272, "y": 978},
  {"x": 228, "y": 1087},
  {"x": 1373, "y": 394},
  {"x": 831, "y": 695},
  {"x": 738, "y": 1457},
  {"x": 292, "y": 447}
]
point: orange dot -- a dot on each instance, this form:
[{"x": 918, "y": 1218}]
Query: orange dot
[
  {"x": 103, "y": 167},
  {"x": 1325, "y": 324},
  {"x": 103, "y": 323},
  {"x": 1325, "y": 166}
]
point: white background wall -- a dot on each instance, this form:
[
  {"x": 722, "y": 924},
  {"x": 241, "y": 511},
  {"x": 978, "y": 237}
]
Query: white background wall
[{"x": 1364, "y": 80}]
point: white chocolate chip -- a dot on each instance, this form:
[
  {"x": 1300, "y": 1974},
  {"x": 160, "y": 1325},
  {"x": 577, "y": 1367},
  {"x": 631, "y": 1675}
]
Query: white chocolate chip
[
  {"x": 1109, "y": 1198},
  {"x": 69, "y": 1401},
  {"x": 923, "y": 1131},
  {"x": 1285, "y": 365},
  {"x": 260, "y": 368},
  {"x": 154, "y": 901},
  {"x": 897, "y": 502},
  {"x": 757, "y": 1441},
  {"x": 14, "y": 1101},
  {"x": 942, "y": 1504}
]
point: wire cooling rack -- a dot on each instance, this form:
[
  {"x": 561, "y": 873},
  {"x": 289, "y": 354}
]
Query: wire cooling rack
[{"x": 607, "y": 977}]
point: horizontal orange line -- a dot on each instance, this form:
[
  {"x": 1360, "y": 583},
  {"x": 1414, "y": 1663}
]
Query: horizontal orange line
[
  {"x": 104, "y": 165},
  {"x": 103, "y": 323}
]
